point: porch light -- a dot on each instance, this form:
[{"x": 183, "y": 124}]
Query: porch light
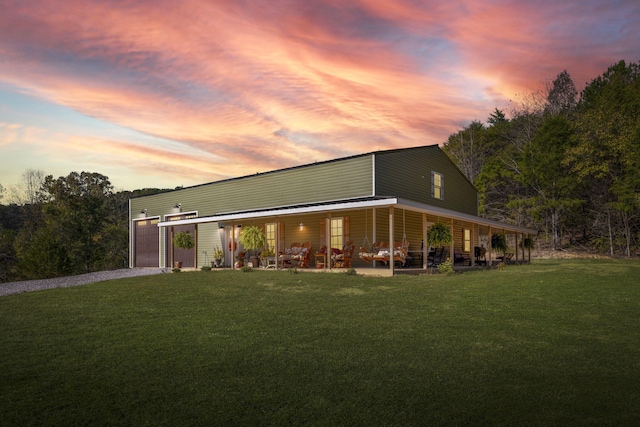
[{"x": 301, "y": 226}]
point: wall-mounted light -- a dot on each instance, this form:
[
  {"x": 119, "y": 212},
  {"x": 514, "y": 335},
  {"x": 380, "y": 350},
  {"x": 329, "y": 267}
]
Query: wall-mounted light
[
  {"x": 239, "y": 225},
  {"x": 301, "y": 226}
]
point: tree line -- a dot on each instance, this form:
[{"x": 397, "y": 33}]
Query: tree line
[
  {"x": 564, "y": 163},
  {"x": 63, "y": 226}
]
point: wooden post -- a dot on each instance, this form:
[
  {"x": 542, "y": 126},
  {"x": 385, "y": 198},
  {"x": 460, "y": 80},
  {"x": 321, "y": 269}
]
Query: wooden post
[
  {"x": 453, "y": 243},
  {"x": 425, "y": 248},
  {"x": 327, "y": 235},
  {"x": 489, "y": 249},
  {"x": 391, "y": 237},
  {"x": 374, "y": 237}
]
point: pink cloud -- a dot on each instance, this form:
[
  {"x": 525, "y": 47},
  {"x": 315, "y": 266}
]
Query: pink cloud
[{"x": 263, "y": 84}]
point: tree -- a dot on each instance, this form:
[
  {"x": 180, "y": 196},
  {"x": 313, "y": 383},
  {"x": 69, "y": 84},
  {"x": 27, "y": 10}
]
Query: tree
[
  {"x": 27, "y": 191},
  {"x": 562, "y": 94},
  {"x": 78, "y": 205},
  {"x": 467, "y": 149},
  {"x": 607, "y": 148},
  {"x": 543, "y": 170}
]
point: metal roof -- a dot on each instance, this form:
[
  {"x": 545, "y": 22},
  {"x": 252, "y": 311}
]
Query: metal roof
[{"x": 347, "y": 204}]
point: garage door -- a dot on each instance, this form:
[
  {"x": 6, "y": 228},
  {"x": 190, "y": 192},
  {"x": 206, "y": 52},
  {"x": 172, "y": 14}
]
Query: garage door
[{"x": 147, "y": 240}]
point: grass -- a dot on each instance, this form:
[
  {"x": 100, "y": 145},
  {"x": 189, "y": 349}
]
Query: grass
[{"x": 556, "y": 342}]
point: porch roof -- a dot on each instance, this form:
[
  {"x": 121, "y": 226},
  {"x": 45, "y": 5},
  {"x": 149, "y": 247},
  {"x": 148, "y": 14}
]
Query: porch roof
[{"x": 348, "y": 204}]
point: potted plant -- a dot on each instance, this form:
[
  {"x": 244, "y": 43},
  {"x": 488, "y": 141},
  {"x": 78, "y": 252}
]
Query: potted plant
[
  {"x": 218, "y": 256},
  {"x": 239, "y": 259},
  {"x": 252, "y": 238},
  {"x": 183, "y": 240},
  {"x": 265, "y": 255},
  {"x": 499, "y": 243},
  {"x": 438, "y": 235}
]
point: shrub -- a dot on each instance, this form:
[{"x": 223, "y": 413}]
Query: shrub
[
  {"x": 246, "y": 269},
  {"x": 446, "y": 267},
  {"x": 205, "y": 268},
  {"x": 176, "y": 270}
]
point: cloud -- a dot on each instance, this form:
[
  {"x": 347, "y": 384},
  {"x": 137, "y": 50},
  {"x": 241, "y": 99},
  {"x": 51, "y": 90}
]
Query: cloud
[{"x": 244, "y": 85}]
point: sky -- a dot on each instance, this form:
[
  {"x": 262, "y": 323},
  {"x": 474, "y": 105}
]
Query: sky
[{"x": 165, "y": 93}]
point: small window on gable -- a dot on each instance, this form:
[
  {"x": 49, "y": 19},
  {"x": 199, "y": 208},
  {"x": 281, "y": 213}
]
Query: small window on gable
[{"x": 437, "y": 185}]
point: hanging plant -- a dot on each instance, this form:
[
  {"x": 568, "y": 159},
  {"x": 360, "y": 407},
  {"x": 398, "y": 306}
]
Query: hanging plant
[
  {"x": 439, "y": 235},
  {"x": 252, "y": 237},
  {"x": 184, "y": 240},
  {"x": 499, "y": 243},
  {"x": 528, "y": 242}
]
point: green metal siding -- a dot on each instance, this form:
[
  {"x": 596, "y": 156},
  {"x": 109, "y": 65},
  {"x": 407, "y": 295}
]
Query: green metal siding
[
  {"x": 406, "y": 174},
  {"x": 339, "y": 179},
  {"x": 346, "y": 178},
  {"x": 208, "y": 240}
]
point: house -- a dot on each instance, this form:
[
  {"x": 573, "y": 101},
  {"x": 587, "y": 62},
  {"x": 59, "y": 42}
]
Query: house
[{"x": 382, "y": 196}]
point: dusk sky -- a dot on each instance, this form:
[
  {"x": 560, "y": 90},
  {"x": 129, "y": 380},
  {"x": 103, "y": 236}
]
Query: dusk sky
[{"x": 165, "y": 93}]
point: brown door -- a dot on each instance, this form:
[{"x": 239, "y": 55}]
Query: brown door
[
  {"x": 147, "y": 238},
  {"x": 186, "y": 256}
]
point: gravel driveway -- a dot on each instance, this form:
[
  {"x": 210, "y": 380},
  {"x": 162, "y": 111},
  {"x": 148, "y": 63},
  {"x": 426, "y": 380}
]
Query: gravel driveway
[{"x": 82, "y": 279}]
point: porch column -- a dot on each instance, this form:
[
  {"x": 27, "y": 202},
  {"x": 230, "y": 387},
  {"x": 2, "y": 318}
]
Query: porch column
[
  {"x": 374, "y": 237},
  {"x": 327, "y": 236},
  {"x": 474, "y": 240},
  {"x": 425, "y": 247},
  {"x": 517, "y": 254},
  {"x": 489, "y": 249},
  {"x": 391, "y": 237},
  {"x": 233, "y": 245},
  {"x": 453, "y": 243}
]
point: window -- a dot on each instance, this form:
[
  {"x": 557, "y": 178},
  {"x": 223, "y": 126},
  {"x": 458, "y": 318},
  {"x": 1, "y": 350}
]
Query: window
[
  {"x": 337, "y": 232},
  {"x": 270, "y": 233},
  {"x": 437, "y": 185},
  {"x": 466, "y": 239}
]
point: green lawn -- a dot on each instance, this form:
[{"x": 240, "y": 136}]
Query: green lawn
[{"x": 553, "y": 343}]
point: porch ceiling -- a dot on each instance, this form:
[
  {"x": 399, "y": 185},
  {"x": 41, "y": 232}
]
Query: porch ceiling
[{"x": 348, "y": 204}]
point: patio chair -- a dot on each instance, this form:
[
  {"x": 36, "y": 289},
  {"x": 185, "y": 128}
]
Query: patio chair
[
  {"x": 343, "y": 259},
  {"x": 461, "y": 258}
]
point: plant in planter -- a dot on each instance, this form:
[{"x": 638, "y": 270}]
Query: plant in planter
[
  {"x": 218, "y": 256},
  {"x": 265, "y": 255},
  {"x": 183, "y": 240},
  {"x": 253, "y": 238},
  {"x": 499, "y": 243},
  {"x": 239, "y": 259},
  {"x": 438, "y": 235},
  {"x": 528, "y": 243}
]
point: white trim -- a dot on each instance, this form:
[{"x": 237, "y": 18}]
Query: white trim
[
  {"x": 179, "y": 214},
  {"x": 284, "y": 211}
]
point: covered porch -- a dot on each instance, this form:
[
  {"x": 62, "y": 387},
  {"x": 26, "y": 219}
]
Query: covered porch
[{"x": 327, "y": 230}]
